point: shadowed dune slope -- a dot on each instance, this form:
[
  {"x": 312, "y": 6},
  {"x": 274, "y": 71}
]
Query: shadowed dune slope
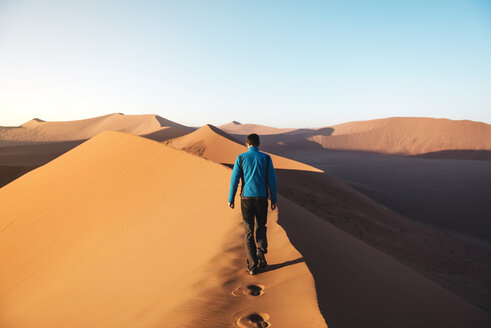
[
  {"x": 122, "y": 231},
  {"x": 37, "y": 142},
  {"x": 423, "y": 248},
  {"x": 457, "y": 265},
  {"x": 212, "y": 143},
  {"x": 11, "y": 172},
  {"x": 408, "y": 136},
  {"x": 37, "y": 130},
  {"x": 358, "y": 286}
]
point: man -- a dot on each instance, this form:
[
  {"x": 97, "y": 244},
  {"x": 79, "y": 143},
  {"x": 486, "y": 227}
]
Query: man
[{"x": 256, "y": 171}]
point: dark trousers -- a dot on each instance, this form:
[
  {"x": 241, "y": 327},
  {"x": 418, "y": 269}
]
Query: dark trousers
[{"x": 254, "y": 213}]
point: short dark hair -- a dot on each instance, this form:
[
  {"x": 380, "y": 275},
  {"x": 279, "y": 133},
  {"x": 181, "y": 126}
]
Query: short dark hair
[{"x": 253, "y": 139}]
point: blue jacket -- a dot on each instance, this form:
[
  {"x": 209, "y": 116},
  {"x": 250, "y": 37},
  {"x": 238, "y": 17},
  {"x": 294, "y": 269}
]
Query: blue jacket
[{"x": 254, "y": 166}]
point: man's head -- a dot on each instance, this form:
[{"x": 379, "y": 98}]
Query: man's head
[{"x": 253, "y": 140}]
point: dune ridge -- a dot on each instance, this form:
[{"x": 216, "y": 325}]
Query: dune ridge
[
  {"x": 408, "y": 136},
  {"x": 425, "y": 249},
  {"x": 124, "y": 231},
  {"x": 212, "y": 143},
  {"x": 37, "y": 130},
  {"x": 235, "y": 127},
  {"x": 36, "y": 142}
]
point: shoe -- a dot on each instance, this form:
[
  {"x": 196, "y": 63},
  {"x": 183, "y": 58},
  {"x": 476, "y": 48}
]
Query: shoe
[
  {"x": 253, "y": 271},
  {"x": 262, "y": 260}
]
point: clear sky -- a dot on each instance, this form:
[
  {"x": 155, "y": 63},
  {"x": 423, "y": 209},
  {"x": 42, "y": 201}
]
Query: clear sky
[{"x": 279, "y": 63}]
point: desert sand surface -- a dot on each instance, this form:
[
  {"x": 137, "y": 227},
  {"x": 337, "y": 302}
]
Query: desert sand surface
[
  {"x": 408, "y": 136},
  {"x": 448, "y": 193},
  {"x": 404, "y": 136},
  {"x": 358, "y": 286},
  {"x": 271, "y": 135},
  {"x": 235, "y": 127},
  {"x": 122, "y": 231},
  {"x": 37, "y": 142},
  {"x": 93, "y": 197},
  {"x": 459, "y": 265},
  {"x": 212, "y": 143},
  {"x": 37, "y": 130}
]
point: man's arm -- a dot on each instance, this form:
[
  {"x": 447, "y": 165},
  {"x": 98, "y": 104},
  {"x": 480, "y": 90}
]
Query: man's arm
[
  {"x": 272, "y": 184},
  {"x": 234, "y": 182}
]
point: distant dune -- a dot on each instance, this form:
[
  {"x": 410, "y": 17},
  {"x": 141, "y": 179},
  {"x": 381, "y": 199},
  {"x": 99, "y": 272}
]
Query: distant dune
[
  {"x": 124, "y": 231},
  {"x": 212, "y": 143},
  {"x": 235, "y": 127},
  {"x": 438, "y": 138},
  {"x": 37, "y": 130},
  {"x": 408, "y": 136},
  {"x": 37, "y": 142}
]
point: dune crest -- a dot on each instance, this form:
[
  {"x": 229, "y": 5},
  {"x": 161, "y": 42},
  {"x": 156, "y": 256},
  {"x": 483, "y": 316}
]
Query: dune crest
[
  {"x": 408, "y": 136},
  {"x": 212, "y": 143},
  {"x": 125, "y": 231},
  {"x": 36, "y": 142},
  {"x": 235, "y": 127},
  {"x": 33, "y": 122},
  {"x": 37, "y": 130}
]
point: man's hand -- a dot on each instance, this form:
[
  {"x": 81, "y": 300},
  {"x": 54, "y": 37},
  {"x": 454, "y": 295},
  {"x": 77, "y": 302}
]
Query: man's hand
[
  {"x": 231, "y": 204},
  {"x": 273, "y": 205}
]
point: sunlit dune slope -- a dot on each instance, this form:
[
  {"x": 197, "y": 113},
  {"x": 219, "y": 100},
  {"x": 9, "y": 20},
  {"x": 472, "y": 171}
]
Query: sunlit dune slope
[
  {"x": 37, "y": 142},
  {"x": 408, "y": 136},
  {"x": 214, "y": 144},
  {"x": 122, "y": 231},
  {"x": 424, "y": 248},
  {"x": 421, "y": 247},
  {"x": 37, "y": 130}
]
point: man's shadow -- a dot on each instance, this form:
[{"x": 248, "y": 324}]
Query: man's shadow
[{"x": 272, "y": 267}]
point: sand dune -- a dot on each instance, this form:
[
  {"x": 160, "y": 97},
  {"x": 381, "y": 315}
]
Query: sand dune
[
  {"x": 408, "y": 136},
  {"x": 37, "y": 130},
  {"x": 37, "y": 142},
  {"x": 212, "y": 143},
  {"x": 419, "y": 246},
  {"x": 166, "y": 133},
  {"x": 431, "y": 137},
  {"x": 457, "y": 265},
  {"x": 35, "y": 154},
  {"x": 235, "y": 127},
  {"x": 9, "y": 173},
  {"x": 358, "y": 286},
  {"x": 122, "y": 231}
]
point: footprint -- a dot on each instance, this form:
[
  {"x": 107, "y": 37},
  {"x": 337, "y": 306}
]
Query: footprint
[
  {"x": 255, "y": 290},
  {"x": 253, "y": 320},
  {"x": 249, "y": 290}
]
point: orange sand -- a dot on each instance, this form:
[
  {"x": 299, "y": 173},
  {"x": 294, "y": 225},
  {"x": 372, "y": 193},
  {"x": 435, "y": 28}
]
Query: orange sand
[
  {"x": 212, "y": 143},
  {"x": 124, "y": 231},
  {"x": 408, "y": 135},
  {"x": 37, "y": 130}
]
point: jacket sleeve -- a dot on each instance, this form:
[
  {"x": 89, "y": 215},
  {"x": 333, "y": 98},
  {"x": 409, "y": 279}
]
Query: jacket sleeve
[
  {"x": 272, "y": 181},
  {"x": 234, "y": 181}
]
